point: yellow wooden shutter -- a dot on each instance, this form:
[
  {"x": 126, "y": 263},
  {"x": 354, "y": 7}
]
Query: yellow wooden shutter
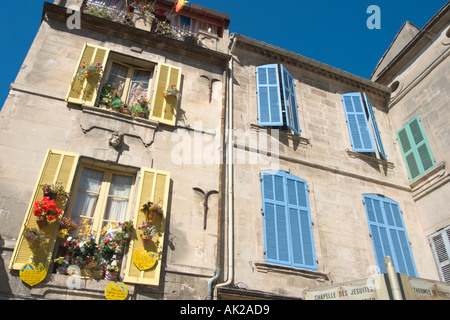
[
  {"x": 153, "y": 186},
  {"x": 59, "y": 166},
  {"x": 84, "y": 91},
  {"x": 164, "y": 109}
]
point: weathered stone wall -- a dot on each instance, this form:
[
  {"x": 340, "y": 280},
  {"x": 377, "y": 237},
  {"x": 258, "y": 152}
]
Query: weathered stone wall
[
  {"x": 336, "y": 177},
  {"x": 35, "y": 118},
  {"x": 424, "y": 90}
]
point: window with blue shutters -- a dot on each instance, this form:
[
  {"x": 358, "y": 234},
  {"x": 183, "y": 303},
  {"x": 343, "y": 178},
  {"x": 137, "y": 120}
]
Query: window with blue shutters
[
  {"x": 388, "y": 233},
  {"x": 288, "y": 236},
  {"x": 359, "y": 113},
  {"x": 277, "y": 102}
]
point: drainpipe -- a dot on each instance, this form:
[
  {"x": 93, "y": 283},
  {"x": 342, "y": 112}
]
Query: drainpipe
[
  {"x": 230, "y": 141},
  {"x": 211, "y": 281}
]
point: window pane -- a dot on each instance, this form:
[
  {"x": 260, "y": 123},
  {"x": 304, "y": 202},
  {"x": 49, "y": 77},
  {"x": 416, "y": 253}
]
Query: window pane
[
  {"x": 86, "y": 200},
  {"x": 119, "y": 193},
  {"x": 139, "y": 86},
  {"x": 118, "y": 76}
]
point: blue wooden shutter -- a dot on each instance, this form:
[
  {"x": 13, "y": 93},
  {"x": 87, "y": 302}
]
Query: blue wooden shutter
[
  {"x": 302, "y": 241},
  {"x": 288, "y": 236},
  {"x": 290, "y": 101},
  {"x": 275, "y": 219},
  {"x": 415, "y": 149},
  {"x": 375, "y": 129},
  {"x": 357, "y": 123},
  {"x": 269, "y": 97},
  {"x": 388, "y": 233}
]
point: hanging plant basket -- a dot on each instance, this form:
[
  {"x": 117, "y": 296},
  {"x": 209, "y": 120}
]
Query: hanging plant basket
[
  {"x": 41, "y": 221},
  {"x": 146, "y": 240},
  {"x": 88, "y": 74},
  {"x": 172, "y": 91}
]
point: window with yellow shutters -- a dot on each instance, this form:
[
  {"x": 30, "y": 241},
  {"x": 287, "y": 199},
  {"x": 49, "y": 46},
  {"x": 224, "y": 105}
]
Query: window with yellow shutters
[
  {"x": 59, "y": 166},
  {"x": 154, "y": 187},
  {"x": 124, "y": 87},
  {"x": 84, "y": 89}
]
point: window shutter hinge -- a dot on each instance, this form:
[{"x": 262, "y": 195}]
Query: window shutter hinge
[
  {"x": 370, "y": 235},
  {"x": 264, "y": 252},
  {"x": 262, "y": 212}
]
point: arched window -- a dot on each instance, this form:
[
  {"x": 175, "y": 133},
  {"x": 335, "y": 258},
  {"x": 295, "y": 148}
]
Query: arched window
[
  {"x": 388, "y": 233},
  {"x": 288, "y": 236}
]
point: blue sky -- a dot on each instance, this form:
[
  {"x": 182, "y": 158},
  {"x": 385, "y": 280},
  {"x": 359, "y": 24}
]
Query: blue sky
[{"x": 330, "y": 31}]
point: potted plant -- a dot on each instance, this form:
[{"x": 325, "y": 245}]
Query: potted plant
[
  {"x": 33, "y": 235},
  {"x": 127, "y": 109},
  {"x": 87, "y": 70},
  {"x": 148, "y": 232},
  {"x": 107, "y": 95},
  {"x": 127, "y": 229},
  {"x": 57, "y": 192},
  {"x": 150, "y": 211},
  {"x": 66, "y": 227},
  {"x": 112, "y": 272},
  {"x": 140, "y": 112},
  {"x": 94, "y": 268},
  {"x": 45, "y": 211},
  {"x": 53, "y": 190},
  {"x": 61, "y": 263},
  {"x": 191, "y": 39},
  {"x": 172, "y": 91}
]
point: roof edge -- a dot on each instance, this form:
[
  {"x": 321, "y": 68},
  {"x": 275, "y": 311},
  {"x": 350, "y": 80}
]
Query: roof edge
[
  {"x": 417, "y": 43},
  {"x": 311, "y": 62}
]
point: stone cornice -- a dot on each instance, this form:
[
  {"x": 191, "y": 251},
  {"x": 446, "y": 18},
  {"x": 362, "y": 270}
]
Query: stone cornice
[
  {"x": 287, "y": 57},
  {"x": 138, "y": 36}
]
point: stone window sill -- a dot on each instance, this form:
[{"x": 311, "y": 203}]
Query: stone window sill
[
  {"x": 296, "y": 139},
  {"x": 57, "y": 286},
  {"x": 266, "y": 268},
  {"x": 120, "y": 116},
  {"x": 430, "y": 181},
  {"x": 367, "y": 158}
]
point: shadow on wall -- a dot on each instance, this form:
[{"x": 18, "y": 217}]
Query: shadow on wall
[{"x": 5, "y": 289}]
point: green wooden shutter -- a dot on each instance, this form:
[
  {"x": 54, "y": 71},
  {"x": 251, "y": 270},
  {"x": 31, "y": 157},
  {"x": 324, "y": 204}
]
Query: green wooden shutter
[
  {"x": 440, "y": 245},
  {"x": 269, "y": 96},
  {"x": 415, "y": 149},
  {"x": 357, "y": 123},
  {"x": 85, "y": 91},
  {"x": 388, "y": 233},
  {"x": 290, "y": 101}
]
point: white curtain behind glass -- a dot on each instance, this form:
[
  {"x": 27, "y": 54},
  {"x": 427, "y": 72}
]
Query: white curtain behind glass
[
  {"x": 87, "y": 196},
  {"x": 119, "y": 194}
]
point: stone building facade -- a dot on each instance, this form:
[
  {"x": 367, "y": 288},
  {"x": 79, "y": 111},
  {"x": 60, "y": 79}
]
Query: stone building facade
[
  {"x": 416, "y": 69},
  {"x": 275, "y": 173},
  {"x": 50, "y": 117}
]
